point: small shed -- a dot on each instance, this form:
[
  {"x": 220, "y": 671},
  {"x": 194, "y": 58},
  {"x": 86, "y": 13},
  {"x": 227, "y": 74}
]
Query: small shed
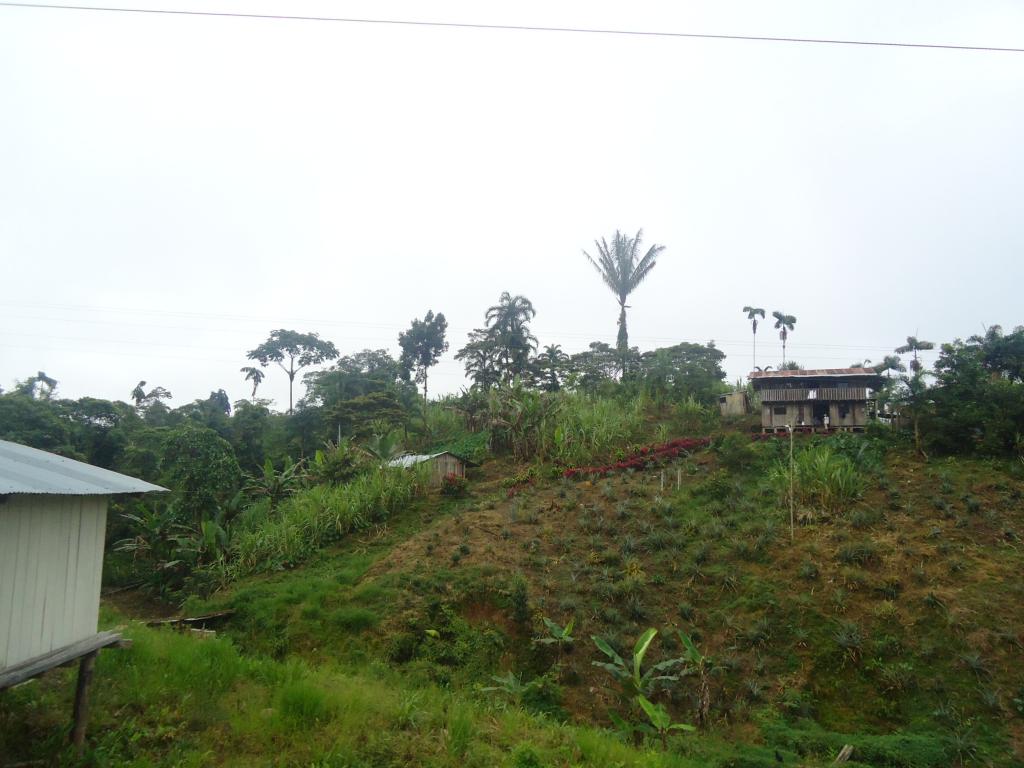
[
  {"x": 53, "y": 514},
  {"x": 441, "y": 464},
  {"x": 733, "y": 404}
]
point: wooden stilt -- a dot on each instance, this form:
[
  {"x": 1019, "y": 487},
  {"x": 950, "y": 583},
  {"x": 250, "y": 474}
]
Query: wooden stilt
[{"x": 81, "y": 712}]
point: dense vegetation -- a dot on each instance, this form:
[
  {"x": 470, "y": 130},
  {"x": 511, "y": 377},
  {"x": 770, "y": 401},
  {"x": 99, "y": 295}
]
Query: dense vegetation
[{"x": 601, "y": 592}]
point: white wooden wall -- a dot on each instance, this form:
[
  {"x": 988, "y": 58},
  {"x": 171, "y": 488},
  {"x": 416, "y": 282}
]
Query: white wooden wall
[{"x": 51, "y": 562}]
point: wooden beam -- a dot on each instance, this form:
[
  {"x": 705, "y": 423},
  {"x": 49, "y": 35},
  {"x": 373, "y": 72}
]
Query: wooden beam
[
  {"x": 39, "y": 665},
  {"x": 81, "y": 712}
]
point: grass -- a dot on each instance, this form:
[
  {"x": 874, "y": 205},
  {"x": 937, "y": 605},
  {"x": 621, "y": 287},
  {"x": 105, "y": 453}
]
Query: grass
[{"x": 859, "y": 631}]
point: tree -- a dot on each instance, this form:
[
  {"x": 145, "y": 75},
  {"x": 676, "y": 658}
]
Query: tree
[
  {"x": 39, "y": 386},
  {"x": 752, "y": 314},
  {"x": 201, "y": 469},
  {"x": 785, "y": 323},
  {"x": 422, "y": 346},
  {"x": 508, "y": 325},
  {"x": 552, "y": 367},
  {"x": 255, "y": 375},
  {"x": 622, "y": 270},
  {"x": 914, "y": 345},
  {"x": 299, "y": 350},
  {"x": 144, "y": 399},
  {"x": 889, "y": 364},
  {"x": 501, "y": 351}
]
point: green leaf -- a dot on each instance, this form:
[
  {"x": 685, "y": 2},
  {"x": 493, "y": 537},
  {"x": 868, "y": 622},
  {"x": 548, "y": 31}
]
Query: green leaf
[
  {"x": 656, "y": 713},
  {"x": 640, "y": 649},
  {"x": 607, "y": 650}
]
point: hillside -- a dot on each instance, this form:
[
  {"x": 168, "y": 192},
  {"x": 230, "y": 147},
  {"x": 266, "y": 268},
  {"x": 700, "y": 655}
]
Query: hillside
[{"x": 893, "y": 621}]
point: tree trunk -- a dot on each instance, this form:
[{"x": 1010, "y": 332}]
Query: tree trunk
[
  {"x": 425, "y": 386},
  {"x": 622, "y": 341},
  {"x": 755, "y": 352}
]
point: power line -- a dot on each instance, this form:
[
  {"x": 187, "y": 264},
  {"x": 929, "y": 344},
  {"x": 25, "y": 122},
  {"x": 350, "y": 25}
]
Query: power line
[{"x": 514, "y": 27}]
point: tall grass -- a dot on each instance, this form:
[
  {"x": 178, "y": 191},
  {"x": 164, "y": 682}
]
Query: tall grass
[
  {"x": 823, "y": 479},
  {"x": 307, "y": 521},
  {"x": 583, "y": 429}
]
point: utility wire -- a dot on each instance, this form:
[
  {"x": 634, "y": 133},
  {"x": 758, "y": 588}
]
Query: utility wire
[{"x": 513, "y": 27}]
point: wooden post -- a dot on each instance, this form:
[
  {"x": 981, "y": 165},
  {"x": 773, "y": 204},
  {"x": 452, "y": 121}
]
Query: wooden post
[
  {"x": 679, "y": 477},
  {"x": 663, "y": 481},
  {"x": 81, "y": 711}
]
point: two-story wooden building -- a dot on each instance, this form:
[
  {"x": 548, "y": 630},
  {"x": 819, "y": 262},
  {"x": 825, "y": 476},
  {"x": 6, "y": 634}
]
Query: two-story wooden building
[{"x": 816, "y": 400}]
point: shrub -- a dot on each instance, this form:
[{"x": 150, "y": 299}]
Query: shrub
[
  {"x": 453, "y": 485},
  {"x": 823, "y": 479}
]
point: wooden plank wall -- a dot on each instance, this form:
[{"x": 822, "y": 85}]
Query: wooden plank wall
[
  {"x": 51, "y": 563},
  {"x": 442, "y": 465}
]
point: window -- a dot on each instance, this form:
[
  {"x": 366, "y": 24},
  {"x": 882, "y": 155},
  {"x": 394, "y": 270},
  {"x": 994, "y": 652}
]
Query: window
[
  {"x": 779, "y": 410},
  {"x": 844, "y": 410}
]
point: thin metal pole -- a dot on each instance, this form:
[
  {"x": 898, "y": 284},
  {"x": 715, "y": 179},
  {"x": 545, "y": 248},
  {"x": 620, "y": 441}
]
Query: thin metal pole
[{"x": 792, "y": 467}]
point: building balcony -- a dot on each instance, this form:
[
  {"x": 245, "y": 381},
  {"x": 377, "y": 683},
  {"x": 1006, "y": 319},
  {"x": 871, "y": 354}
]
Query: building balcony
[{"x": 813, "y": 394}]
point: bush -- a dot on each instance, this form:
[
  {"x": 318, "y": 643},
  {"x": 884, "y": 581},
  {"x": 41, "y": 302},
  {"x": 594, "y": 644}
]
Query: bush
[
  {"x": 453, "y": 485},
  {"x": 823, "y": 479}
]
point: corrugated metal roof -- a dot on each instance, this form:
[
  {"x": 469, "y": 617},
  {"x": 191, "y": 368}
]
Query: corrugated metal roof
[
  {"x": 29, "y": 470},
  {"x": 412, "y": 460},
  {"x": 815, "y": 372}
]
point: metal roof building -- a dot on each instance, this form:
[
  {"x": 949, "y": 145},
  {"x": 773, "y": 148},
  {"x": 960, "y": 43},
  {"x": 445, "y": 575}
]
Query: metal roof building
[
  {"x": 53, "y": 516},
  {"x": 29, "y": 470}
]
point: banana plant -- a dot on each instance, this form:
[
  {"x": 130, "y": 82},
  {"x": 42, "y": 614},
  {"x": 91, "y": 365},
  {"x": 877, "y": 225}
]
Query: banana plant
[
  {"x": 558, "y": 636},
  {"x": 659, "y": 721},
  {"x": 700, "y": 665},
  {"x": 277, "y": 486},
  {"x": 632, "y": 680}
]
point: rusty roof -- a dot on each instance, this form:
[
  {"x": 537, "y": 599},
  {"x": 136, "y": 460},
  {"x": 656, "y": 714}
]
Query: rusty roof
[{"x": 816, "y": 373}]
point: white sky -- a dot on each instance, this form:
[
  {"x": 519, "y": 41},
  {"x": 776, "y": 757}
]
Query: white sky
[{"x": 173, "y": 188}]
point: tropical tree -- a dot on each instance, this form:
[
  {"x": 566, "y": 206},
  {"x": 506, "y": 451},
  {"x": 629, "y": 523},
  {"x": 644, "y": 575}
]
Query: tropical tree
[
  {"x": 422, "y": 346},
  {"x": 39, "y": 386},
  {"x": 501, "y": 350},
  {"x": 785, "y": 324},
  {"x": 255, "y": 375},
  {"x": 552, "y": 367},
  {"x": 889, "y": 364},
  {"x": 298, "y": 350},
  {"x": 623, "y": 269},
  {"x": 144, "y": 399},
  {"x": 752, "y": 314},
  {"x": 914, "y": 345}
]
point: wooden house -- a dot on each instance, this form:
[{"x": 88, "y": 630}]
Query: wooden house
[
  {"x": 825, "y": 399},
  {"x": 53, "y": 514},
  {"x": 441, "y": 464}
]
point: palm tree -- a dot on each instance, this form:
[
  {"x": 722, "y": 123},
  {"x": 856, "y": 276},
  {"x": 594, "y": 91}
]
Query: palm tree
[
  {"x": 551, "y": 365},
  {"x": 785, "y": 323},
  {"x": 622, "y": 270},
  {"x": 889, "y": 364},
  {"x": 255, "y": 375},
  {"x": 914, "y": 345},
  {"x": 752, "y": 315},
  {"x": 508, "y": 324}
]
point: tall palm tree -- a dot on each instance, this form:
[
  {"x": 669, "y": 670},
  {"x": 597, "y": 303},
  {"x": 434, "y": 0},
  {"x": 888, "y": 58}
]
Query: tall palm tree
[
  {"x": 752, "y": 315},
  {"x": 914, "y": 345},
  {"x": 508, "y": 324},
  {"x": 623, "y": 269},
  {"x": 255, "y": 375},
  {"x": 785, "y": 323}
]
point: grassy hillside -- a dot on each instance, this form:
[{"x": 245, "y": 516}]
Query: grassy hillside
[{"x": 892, "y": 620}]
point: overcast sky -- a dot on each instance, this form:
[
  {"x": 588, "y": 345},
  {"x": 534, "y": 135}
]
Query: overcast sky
[{"x": 173, "y": 188}]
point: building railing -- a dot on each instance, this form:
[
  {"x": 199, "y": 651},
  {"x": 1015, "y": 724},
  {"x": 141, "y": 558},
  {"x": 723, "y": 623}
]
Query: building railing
[{"x": 813, "y": 394}]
